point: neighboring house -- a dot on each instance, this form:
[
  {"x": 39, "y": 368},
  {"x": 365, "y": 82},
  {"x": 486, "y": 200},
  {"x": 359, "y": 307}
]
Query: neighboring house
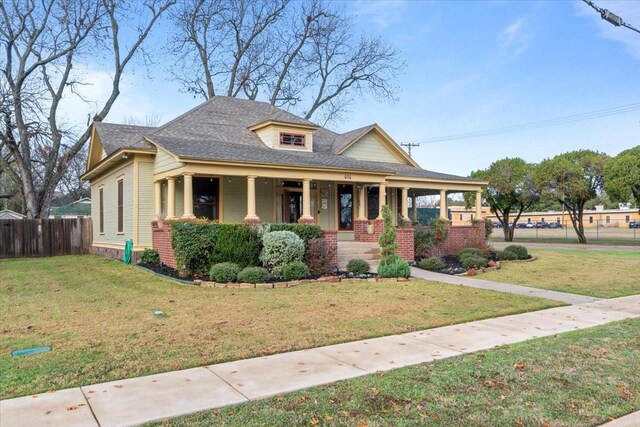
[
  {"x": 9, "y": 214},
  {"x": 79, "y": 209},
  {"x": 235, "y": 160},
  {"x": 591, "y": 217},
  {"x": 460, "y": 215}
]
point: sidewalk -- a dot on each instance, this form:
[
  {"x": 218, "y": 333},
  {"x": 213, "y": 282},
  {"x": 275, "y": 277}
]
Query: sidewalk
[
  {"x": 502, "y": 287},
  {"x": 138, "y": 400}
]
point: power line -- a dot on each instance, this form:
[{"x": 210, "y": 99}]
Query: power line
[
  {"x": 610, "y": 17},
  {"x": 410, "y": 145},
  {"x": 532, "y": 125}
]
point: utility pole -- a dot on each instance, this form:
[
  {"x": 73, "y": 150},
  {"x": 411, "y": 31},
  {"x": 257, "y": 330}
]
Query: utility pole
[
  {"x": 410, "y": 145},
  {"x": 610, "y": 17}
]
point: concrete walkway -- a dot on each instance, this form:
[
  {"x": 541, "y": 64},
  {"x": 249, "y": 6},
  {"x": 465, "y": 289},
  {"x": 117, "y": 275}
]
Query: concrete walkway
[
  {"x": 502, "y": 287},
  {"x": 155, "y": 397}
]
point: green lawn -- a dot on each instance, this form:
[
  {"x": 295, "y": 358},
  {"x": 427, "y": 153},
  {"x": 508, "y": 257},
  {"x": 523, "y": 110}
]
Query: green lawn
[
  {"x": 97, "y": 315},
  {"x": 580, "y": 378},
  {"x": 604, "y": 274}
]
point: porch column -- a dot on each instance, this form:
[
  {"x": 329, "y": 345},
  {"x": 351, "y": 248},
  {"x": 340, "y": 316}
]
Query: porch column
[
  {"x": 251, "y": 200},
  {"x": 171, "y": 197},
  {"x": 478, "y": 204},
  {"x": 443, "y": 204},
  {"x": 158, "y": 200},
  {"x": 188, "y": 195},
  {"x": 405, "y": 200},
  {"x": 361, "y": 198},
  {"x": 414, "y": 213},
  {"x": 306, "y": 202},
  {"x": 382, "y": 198}
]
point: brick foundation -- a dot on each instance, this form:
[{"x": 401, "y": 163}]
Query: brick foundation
[
  {"x": 331, "y": 243},
  {"x": 114, "y": 253},
  {"x": 404, "y": 239},
  {"x": 360, "y": 230},
  {"x": 251, "y": 221},
  {"x": 464, "y": 236},
  {"x": 306, "y": 220},
  {"x": 161, "y": 238}
]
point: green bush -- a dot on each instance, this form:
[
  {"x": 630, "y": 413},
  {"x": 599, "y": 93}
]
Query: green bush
[
  {"x": 473, "y": 261},
  {"x": 254, "y": 275},
  {"x": 295, "y": 270},
  {"x": 387, "y": 239},
  {"x": 431, "y": 264},
  {"x": 237, "y": 243},
  {"x": 319, "y": 257},
  {"x": 306, "y": 232},
  {"x": 467, "y": 252},
  {"x": 393, "y": 266},
  {"x": 429, "y": 240},
  {"x": 193, "y": 243},
  {"x": 280, "y": 248},
  {"x": 520, "y": 251},
  {"x": 224, "y": 272},
  {"x": 150, "y": 256},
  {"x": 358, "y": 266},
  {"x": 507, "y": 255}
]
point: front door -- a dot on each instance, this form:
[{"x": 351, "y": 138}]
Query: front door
[
  {"x": 292, "y": 208},
  {"x": 345, "y": 207}
]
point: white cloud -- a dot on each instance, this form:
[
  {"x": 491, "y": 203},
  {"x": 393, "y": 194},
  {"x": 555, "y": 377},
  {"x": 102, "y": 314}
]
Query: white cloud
[
  {"x": 630, "y": 13},
  {"x": 380, "y": 12},
  {"x": 515, "y": 38}
]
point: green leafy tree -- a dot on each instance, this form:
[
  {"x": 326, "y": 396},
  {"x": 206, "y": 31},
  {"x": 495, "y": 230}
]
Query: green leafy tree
[
  {"x": 509, "y": 192},
  {"x": 622, "y": 177},
  {"x": 572, "y": 179}
]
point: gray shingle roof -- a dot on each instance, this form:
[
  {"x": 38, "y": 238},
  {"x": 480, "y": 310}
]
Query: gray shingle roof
[{"x": 218, "y": 129}]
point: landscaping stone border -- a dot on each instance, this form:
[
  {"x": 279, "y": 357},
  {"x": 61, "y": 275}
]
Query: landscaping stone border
[
  {"x": 294, "y": 283},
  {"x": 485, "y": 269}
]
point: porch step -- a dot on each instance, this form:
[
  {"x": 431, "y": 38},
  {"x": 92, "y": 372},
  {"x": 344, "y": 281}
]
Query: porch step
[{"x": 368, "y": 251}]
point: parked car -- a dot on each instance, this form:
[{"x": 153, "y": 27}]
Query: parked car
[
  {"x": 529, "y": 225},
  {"x": 497, "y": 224},
  {"x": 555, "y": 225},
  {"x": 634, "y": 224},
  {"x": 542, "y": 224}
]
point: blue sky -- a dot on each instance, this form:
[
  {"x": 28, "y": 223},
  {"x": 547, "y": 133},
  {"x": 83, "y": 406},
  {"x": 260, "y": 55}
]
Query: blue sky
[{"x": 472, "y": 66}]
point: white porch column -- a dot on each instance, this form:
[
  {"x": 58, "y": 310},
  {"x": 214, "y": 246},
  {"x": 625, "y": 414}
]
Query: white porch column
[
  {"x": 171, "y": 197},
  {"x": 443, "y": 204},
  {"x": 414, "y": 213},
  {"x": 382, "y": 198},
  {"x": 361, "y": 198},
  {"x": 306, "y": 200},
  {"x": 158, "y": 200},
  {"x": 478, "y": 204},
  {"x": 188, "y": 196},
  {"x": 405, "y": 201},
  {"x": 251, "y": 199}
]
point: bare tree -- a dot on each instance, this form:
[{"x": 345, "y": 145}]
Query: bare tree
[
  {"x": 42, "y": 42},
  {"x": 301, "y": 56}
]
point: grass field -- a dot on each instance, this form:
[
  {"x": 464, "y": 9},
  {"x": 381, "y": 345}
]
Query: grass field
[
  {"x": 580, "y": 378},
  {"x": 605, "y": 274},
  {"x": 97, "y": 315}
]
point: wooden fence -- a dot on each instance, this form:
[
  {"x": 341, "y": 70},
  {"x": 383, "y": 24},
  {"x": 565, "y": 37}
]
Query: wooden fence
[{"x": 44, "y": 237}]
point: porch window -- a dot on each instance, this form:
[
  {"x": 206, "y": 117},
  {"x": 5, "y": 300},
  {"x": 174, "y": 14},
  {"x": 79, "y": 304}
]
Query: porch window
[
  {"x": 345, "y": 207},
  {"x": 206, "y": 196},
  {"x": 292, "y": 139},
  {"x": 120, "y": 206},
  {"x": 373, "y": 195}
]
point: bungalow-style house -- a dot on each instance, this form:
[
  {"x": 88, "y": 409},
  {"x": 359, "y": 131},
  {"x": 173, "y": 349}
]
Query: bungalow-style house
[{"x": 234, "y": 160}]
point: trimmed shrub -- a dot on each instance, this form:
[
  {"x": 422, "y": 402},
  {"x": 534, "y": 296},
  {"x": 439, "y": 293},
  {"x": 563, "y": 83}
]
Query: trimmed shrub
[
  {"x": 295, "y": 270},
  {"x": 306, "y": 232},
  {"x": 193, "y": 244},
  {"x": 279, "y": 249},
  {"x": 429, "y": 240},
  {"x": 393, "y": 266},
  {"x": 387, "y": 239},
  {"x": 467, "y": 252},
  {"x": 150, "y": 256},
  {"x": 224, "y": 272},
  {"x": 237, "y": 243},
  {"x": 319, "y": 257},
  {"x": 506, "y": 255},
  {"x": 431, "y": 264},
  {"x": 358, "y": 266},
  {"x": 254, "y": 275},
  {"x": 473, "y": 261},
  {"x": 520, "y": 251}
]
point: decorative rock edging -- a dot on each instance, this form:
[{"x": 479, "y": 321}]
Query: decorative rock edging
[
  {"x": 485, "y": 269},
  {"x": 294, "y": 283}
]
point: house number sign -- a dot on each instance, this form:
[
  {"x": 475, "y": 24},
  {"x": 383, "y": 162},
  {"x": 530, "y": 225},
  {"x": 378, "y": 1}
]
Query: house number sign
[{"x": 347, "y": 176}]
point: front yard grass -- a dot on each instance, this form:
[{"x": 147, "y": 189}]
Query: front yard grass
[
  {"x": 603, "y": 274},
  {"x": 97, "y": 315},
  {"x": 582, "y": 378}
]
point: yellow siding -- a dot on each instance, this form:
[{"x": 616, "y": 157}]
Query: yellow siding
[
  {"x": 264, "y": 200},
  {"x": 109, "y": 184},
  {"x": 270, "y": 135},
  {"x": 165, "y": 161},
  {"x": 146, "y": 204},
  {"x": 369, "y": 147},
  {"x": 234, "y": 198}
]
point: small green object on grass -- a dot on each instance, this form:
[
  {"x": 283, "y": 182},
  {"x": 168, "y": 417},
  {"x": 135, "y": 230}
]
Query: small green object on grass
[{"x": 30, "y": 351}]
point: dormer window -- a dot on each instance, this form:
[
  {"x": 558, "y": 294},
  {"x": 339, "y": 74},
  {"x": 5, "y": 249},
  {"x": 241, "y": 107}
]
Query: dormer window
[{"x": 292, "y": 139}]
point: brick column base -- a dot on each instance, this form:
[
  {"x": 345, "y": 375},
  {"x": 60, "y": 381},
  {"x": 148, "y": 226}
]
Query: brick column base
[
  {"x": 361, "y": 230},
  {"x": 331, "y": 243},
  {"x": 303, "y": 220},
  {"x": 251, "y": 220},
  {"x": 464, "y": 236},
  {"x": 404, "y": 239},
  {"x": 161, "y": 238}
]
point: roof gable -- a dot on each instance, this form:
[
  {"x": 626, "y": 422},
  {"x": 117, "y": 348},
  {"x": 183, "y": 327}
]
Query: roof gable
[{"x": 373, "y": 144}]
